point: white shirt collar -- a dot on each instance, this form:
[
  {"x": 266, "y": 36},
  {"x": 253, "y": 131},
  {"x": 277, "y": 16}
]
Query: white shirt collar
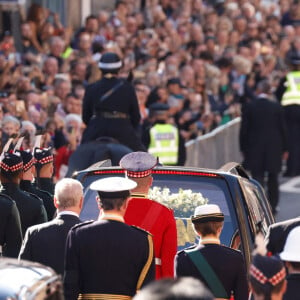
[
  {"x": 67, "y": 212},
  {"x": 114, "y": 217}
]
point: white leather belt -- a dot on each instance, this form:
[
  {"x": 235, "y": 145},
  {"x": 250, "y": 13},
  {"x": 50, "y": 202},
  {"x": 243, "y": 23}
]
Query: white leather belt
[{"x": 157, "y": 261}]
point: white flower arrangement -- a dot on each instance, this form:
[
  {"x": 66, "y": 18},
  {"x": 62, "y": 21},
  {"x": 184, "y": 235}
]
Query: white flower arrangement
[{"x": 183, "y": 203}]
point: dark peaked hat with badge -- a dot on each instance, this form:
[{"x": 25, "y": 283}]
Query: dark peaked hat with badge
[
  {"x": 207, "y": 213},
  {"x": 113, "y": 187},
  {"x": 138, "y": 164}
]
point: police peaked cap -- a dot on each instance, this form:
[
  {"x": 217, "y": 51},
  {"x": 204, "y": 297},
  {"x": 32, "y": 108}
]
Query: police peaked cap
[
  {"x": 110, "y": 61},
  {"x": 28, "y": 159},
  {"x": 43, "y": 156},
  {"x": 11, "y": 162},
  {"x": 138, "y": 164}
]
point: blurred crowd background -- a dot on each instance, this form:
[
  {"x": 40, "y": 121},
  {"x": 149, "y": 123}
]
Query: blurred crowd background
[{"x": 203, "y": 58}]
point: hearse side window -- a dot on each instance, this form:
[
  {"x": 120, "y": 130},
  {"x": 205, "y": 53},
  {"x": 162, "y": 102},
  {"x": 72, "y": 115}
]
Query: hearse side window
[{"x": 256, "y": 211}]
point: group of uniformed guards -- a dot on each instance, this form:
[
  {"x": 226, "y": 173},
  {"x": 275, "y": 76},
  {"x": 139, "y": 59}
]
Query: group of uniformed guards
[{"x": 23, "y": 203}]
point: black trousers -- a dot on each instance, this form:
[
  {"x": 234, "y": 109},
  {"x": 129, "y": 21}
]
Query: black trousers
[{"x": 270, "y": 181}]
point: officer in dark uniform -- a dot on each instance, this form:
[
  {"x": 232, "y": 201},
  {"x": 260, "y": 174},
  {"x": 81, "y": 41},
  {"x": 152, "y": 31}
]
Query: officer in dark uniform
[
  {"x": 27, "y": 185},
  {"x": 31, "y": 208},
  {"x": 44, "y": 169},
  {"x": 108, "y": 259},
  {"x": 222, "y": 269},
  {"x": 10, "y": 227},
  {"x": 163, "y": 139},
  {"x": 110, "y": 106}
]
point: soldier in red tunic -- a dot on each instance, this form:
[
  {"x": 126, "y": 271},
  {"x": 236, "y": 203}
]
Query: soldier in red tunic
[{"x": 149, "y": 214}]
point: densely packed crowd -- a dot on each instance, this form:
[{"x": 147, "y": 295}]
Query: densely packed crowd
[{"x": 203, "y": 58}]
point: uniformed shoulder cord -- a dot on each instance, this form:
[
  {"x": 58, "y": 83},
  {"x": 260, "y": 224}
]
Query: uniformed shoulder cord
[{"x": 147, "y": 265}]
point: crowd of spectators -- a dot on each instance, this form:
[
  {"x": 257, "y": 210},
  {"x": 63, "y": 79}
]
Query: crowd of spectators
[{"x": 203, "y": 58}]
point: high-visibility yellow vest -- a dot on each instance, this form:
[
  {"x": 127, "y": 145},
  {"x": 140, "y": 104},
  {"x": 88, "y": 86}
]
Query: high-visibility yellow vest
[
  {"x": 164, "y": 143},
  {"x": 292, "y": 92}
]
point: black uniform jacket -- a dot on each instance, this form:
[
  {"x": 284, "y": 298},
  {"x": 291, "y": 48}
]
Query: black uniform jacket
[
  {"x": 123, "y": 100},
  {"x": 293, "y": 287},
  {"x": 46, "y": 184},
  {"x": 45, "y": 243},
  {"x": 46, "y": 197},
  {"x": 228, "y": 264},
  {"x": 263, "y": 135},
  {"x": 277, "y": 234},
  {"x": 10, "y": 227},
  {"x": 31, "y": 208},
  {"x": 107, "y": 257}
]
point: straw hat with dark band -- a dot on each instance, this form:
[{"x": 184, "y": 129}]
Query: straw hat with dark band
[{"x": 207, "y": 213}]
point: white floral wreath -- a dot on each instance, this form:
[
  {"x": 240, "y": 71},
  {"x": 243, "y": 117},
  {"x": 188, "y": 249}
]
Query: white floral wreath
[{"x": 183, "y": 203}]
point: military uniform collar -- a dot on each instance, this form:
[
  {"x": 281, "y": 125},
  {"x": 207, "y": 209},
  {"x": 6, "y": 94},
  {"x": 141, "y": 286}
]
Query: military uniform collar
[
  {"x": 139, "y": 195},
  {"x": 113, "y": 217},
  {"x": 205, "y": 241}
]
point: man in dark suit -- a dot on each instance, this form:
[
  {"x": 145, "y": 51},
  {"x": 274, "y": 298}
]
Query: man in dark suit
[
  {"x": 263, "y": 140},
  {"x": 45, "y": 243},
  {"x": 220, "y": 268},
  {"x": 277, "y": 234},
  {"x": 108, "y": 259}
]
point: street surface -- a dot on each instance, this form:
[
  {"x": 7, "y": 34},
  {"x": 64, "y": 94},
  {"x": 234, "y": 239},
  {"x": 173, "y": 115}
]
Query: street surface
[{"x": 289, "y": 204}]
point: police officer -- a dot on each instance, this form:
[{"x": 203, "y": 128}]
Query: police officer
[
  {"x": 108, "y": 259},
  {"x": 222, "y": 269},
  {"x": 27, "y": 185},
  {"x": 31, "y": 208},
  {"x": 163, "y": 139},
  {"x": 149, "y": 214},
  {"x": 110, "y": 106},
  {"x": 289, "y": 94},
  {"x": 44, "y": 169},
  {"x": 10, "y": 227}
]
